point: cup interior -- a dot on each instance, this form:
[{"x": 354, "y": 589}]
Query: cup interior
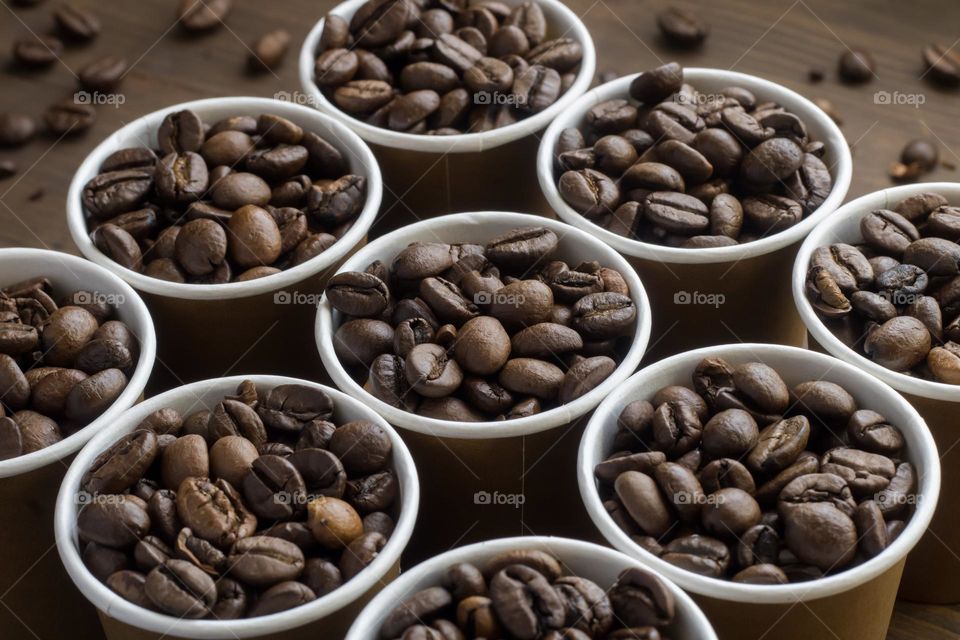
[
  {"x": 561, "y": 21},
  {"x": 844, "y": 226},
  {"x": 479, "y": 227},
  {"x": 206, "y": 394},
  {"x": 143, "y": 132},
  {"x": 600, "y": 564},
  {"x": 794, "y": 366},
  {"x": 819, "y": 126},
  {"x": 67, "y": 275}
]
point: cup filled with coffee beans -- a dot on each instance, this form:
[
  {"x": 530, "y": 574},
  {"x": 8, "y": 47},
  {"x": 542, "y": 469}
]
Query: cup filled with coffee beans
[
  {"x": 532, "y": 587},
  {"x": 76, "y": 348},
  {"x": 447, "y": 93},
  {"x": 707, "y": 180},
  {"x": 782, "y": 487},
  {"x": 228, "y": 214},
  {"x": 487, "y": 338},
  {"x": 235, "y": 508},
  {"x": 878, "y": 286}
]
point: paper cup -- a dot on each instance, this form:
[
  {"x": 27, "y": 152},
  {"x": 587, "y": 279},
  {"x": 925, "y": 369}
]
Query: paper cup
[
  {"x": 426, "y": 176},
  {"x": 591, "y": 561},
  {"x": 329, "y": 616},
  {"x": 933, "y": 569},
  {"x": 484, "y": 480},
  {"x": 211, "y": 330},
  {"x": 31, "y": 577},
  {"x": 855, "y": 604},
  {"x": 724, "y": 294}
]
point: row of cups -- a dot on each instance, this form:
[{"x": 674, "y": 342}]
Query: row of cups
[
  {"x": 204, "y": 329},
  {"x": 535, "y": 456}
]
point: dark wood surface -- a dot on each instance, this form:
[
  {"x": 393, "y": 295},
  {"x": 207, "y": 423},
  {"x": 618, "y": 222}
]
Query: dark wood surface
[{"x": 781, "y": 40}]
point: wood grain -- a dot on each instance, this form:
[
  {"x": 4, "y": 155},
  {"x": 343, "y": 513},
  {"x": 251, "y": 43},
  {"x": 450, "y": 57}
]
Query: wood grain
[{"x": 781, "y": 40}]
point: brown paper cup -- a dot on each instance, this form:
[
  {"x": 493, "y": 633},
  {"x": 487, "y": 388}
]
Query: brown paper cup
[
  {"x": 724, "y": 294},
  {"x": 38, "y": 601},
  {"x": 854, "y": 604},
  {"x": 426, "y": 176},
  {"x": 491, "y": 479},
  {"x": 596, "y": 563},
  {"x": 932, "y": 573},
  {"x": 208, "y": 330},
  {"x": 328, "y": 616}
]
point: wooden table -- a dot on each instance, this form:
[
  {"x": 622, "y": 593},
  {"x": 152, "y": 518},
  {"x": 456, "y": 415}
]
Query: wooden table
[{"x": 781, "y": 40}]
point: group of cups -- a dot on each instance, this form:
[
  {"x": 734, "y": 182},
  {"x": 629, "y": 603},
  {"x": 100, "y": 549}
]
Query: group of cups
[{"x": 275, "y": 503}]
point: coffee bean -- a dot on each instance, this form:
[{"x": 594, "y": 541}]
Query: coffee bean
[
  {"x": 16, "y": 129},
  {"x": 202, "y": 16},
  {"x": 76, "y": 22},
  {"x": 943, "y": 64},
  {"x": 682, "y": 27},
  {"x": 37, "y": 51},
  {"x": 269, "y": 50},
  {"x": 104, "y": 74},
  {"x": 69, "y": 118},
  {"x": 856, "y": 66}
]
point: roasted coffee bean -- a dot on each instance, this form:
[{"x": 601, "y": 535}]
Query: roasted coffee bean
[
  {"x": 69, "y": 118},
  {"x": 269, "y": 50},
  {"x": 37, "y": 51},
  {"x": 76, "y": 23},
  {"x": 856, "y": 66},
  {"x": 202, "y": 16},
  {"x": 16, "y": 129},
  {"x": 682, "y": 27},
  {"x": 181, "y": 589}
]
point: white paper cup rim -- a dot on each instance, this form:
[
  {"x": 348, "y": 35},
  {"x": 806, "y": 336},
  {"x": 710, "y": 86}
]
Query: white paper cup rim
[
  {"x": 827, "y": 233},
  {"x": 134, "y": 132},
  {"x": 368, "y": 623},
  {"x": 464, "y": 143},
  {"x": 139, "y": 321},
  {"x": 712, "y": 79},
  {"x": 389, "y": 245},
  {"x": 643, "y": 385},
  {"x": 65, "y": 526}
]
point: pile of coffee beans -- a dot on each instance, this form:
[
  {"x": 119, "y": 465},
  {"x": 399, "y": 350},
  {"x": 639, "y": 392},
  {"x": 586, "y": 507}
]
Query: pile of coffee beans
[
  {"x": 243, "y": 198},
  {"x": 255, "y": 506},
  {"x": 528, "y": 594},
  {"x": 62, "y": 364},
  {"x": 681, "y": 168},
  {"x": 472, "y": 332},
  {"x": 441, "y": 67},
  {"x": 745, "y": 478},
  {"x": 895, "y": 298}
]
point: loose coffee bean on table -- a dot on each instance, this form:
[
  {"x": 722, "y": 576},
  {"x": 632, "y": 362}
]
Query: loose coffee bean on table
[
  {"x": 677, "y": 167},
  {"x": 741, "y": 477},
  {"x": 63, "y": 362},
  {"x": 243, "y": 198},
  {"x": 255, "y": 505},
  {"x": 441, "y": 68},
  {"x": 895, "y": 297},
  {"x": 471, "y": 332},
  {"x": 681, "y": 27},
  {"x": 529, "y": 594}
]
